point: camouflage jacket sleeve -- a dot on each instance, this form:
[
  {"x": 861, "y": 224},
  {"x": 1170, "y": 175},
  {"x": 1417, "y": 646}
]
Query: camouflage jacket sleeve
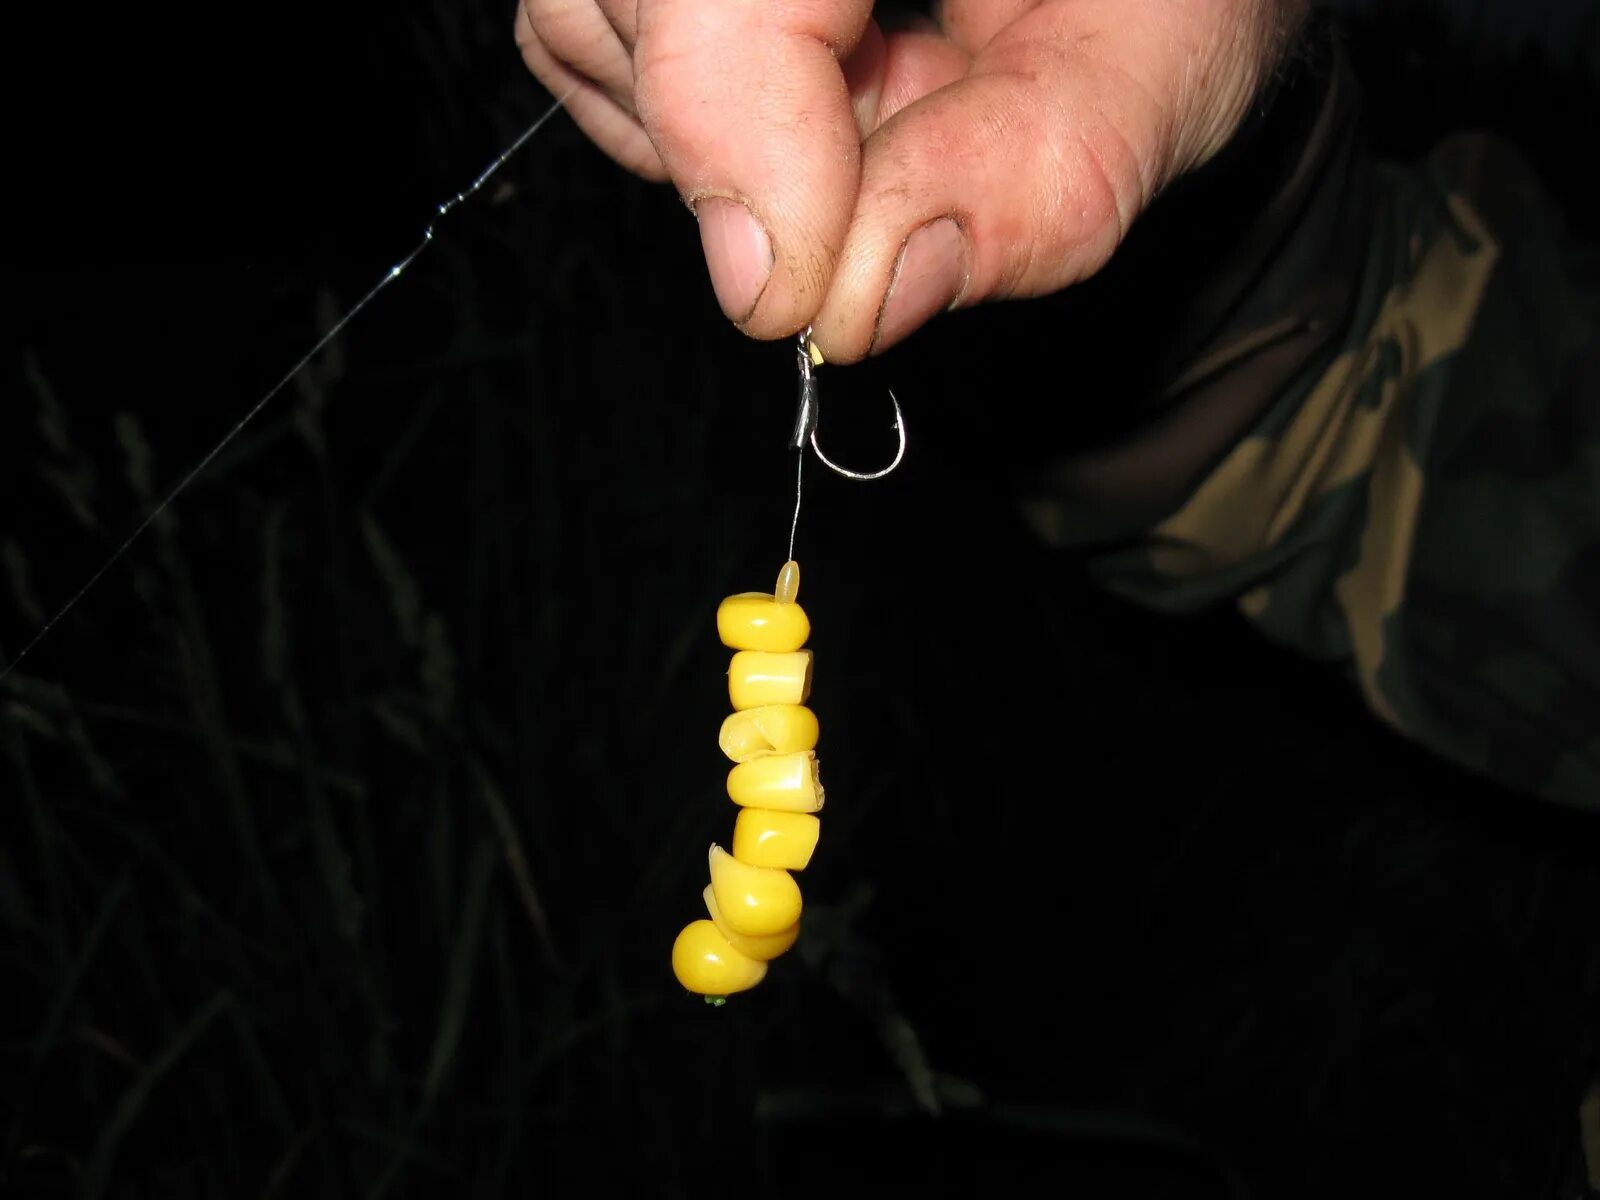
[{"x": 1385, "y": 451}]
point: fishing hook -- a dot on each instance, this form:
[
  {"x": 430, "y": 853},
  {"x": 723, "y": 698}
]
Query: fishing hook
[{"x": 805, "y": 417}]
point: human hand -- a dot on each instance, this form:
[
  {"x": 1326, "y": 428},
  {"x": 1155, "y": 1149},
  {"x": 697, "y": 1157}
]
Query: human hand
[{"x": 860, "y": 182}]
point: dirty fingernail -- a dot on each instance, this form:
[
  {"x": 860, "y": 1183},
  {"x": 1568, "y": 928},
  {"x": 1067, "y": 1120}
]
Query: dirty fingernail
[
  {"x": 927, "y": 278},
  {"x": 738, "y": 255}
]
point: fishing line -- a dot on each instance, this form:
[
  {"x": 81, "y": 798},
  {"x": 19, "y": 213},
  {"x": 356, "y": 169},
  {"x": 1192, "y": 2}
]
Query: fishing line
[
  {"x": 799, "y": 494},
  {"x": 333, "y": 331}
]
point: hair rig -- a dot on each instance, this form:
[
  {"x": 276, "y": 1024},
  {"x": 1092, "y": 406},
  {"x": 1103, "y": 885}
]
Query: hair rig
[
  {"x": 753, "y": 902},
  {"x": 805, "y": 430}
]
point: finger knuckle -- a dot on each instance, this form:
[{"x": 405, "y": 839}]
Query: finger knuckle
[{"x": 567, "y": 28}]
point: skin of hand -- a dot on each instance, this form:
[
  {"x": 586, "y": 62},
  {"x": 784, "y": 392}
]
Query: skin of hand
[{"x": 861, "y": 181}]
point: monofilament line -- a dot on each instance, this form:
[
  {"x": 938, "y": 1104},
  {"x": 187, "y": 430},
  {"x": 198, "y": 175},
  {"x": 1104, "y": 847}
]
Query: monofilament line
[
  {"x": 799, "y": 492},
  {"x": 389, "y": 277}
]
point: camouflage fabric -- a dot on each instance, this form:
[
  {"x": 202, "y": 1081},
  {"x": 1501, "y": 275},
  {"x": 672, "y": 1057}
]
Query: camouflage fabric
[{"x": 1387, "y": 455}]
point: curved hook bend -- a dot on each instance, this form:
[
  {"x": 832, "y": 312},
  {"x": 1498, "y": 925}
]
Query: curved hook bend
[
  {"x": 864, "y": 476},
  {"x": 805, "y": 420}
]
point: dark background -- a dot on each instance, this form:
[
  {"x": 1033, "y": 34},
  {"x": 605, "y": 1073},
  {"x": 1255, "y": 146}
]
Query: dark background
[{"x": 349, "y": 818}]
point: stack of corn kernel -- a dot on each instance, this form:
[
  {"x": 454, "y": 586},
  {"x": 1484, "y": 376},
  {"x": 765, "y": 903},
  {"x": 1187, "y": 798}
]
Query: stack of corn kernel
[{"x": 753, "y": 901}]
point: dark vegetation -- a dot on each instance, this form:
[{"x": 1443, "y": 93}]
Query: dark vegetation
[{"x": 349, "y": 819}]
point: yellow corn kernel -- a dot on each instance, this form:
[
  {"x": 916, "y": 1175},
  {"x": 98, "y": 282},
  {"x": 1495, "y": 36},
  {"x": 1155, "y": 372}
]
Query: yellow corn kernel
[
  {"x": 753, "y": 900},
  {"x": 786, "y": 782},
  {"x": 707, "y": 964},
  {"x": 764, "y": 838},
  {"x": 760, "y": 948},
  {"x": 761, "y": 677},
  {"x": 770, "y": 729},
  {"x": 758, "y": 621}
]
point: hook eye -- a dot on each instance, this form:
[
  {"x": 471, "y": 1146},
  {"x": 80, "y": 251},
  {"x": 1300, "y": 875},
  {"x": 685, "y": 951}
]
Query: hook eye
[{"x": 806, "y": 420}]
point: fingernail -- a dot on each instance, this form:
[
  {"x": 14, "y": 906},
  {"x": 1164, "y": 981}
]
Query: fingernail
[
  {"x": 927, "y": 278},
  {"x": 738, "y": 254}
]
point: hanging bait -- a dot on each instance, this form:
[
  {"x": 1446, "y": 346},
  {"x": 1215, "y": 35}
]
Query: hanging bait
[{"x": 753, "y": 903}]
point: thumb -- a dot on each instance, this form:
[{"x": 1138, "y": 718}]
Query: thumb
[{"x": 747, "y": 105}]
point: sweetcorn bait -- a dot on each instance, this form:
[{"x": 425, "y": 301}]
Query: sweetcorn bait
[
  {"x": 786, "y": 782},
  {"x": 758, "y": 621},
  {"x": 767, "y": 946},
  {"x": 753, "y": 903},
  {"x": 705, "y": 962},
  {"x": 757, "y": 678},
  {"x": 769, "y": 729},
  {"x": 775, "y": 839}
]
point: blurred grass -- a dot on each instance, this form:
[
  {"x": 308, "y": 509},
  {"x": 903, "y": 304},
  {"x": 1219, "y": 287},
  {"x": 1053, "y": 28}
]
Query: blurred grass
[{"x": 349, "y": 824}]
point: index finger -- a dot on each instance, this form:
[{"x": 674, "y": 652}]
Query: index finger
[{"x": 747, "y": 105}]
